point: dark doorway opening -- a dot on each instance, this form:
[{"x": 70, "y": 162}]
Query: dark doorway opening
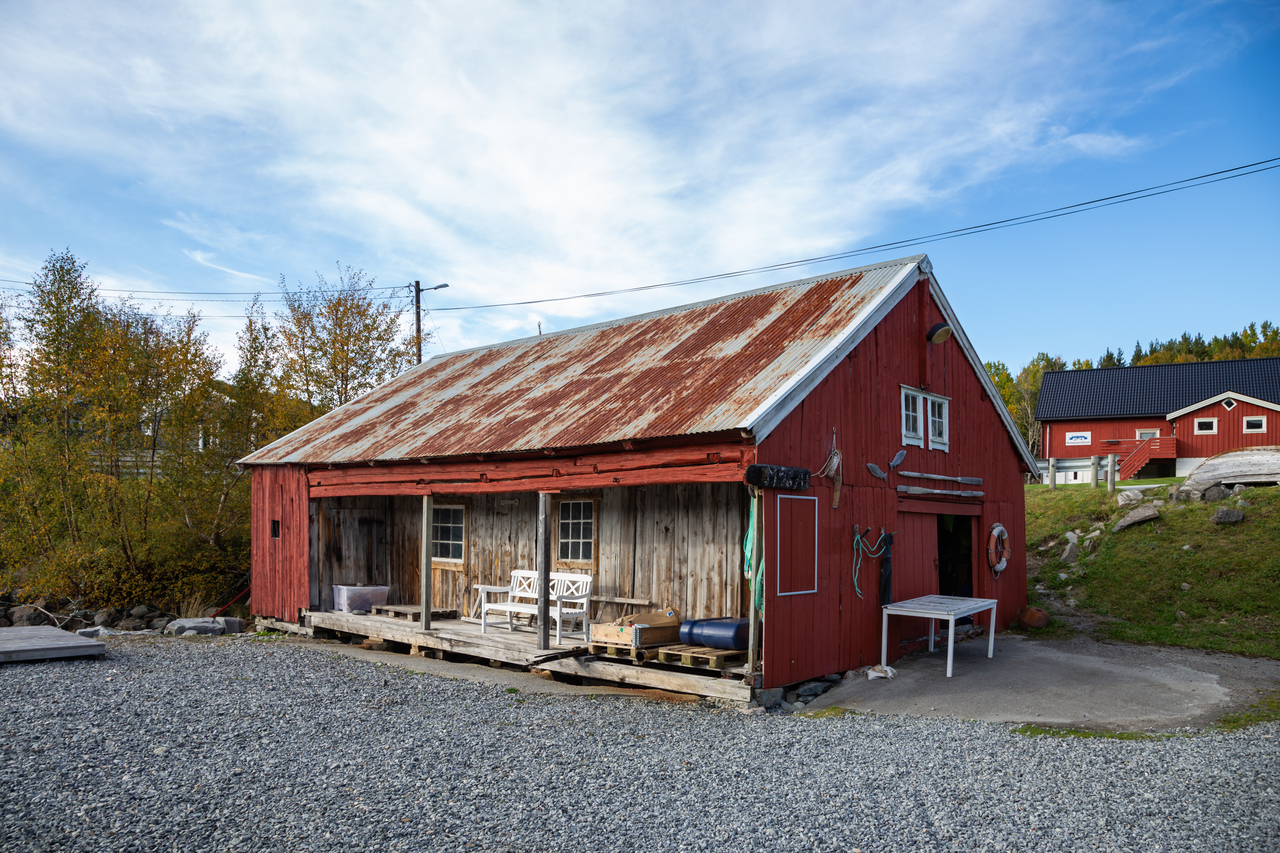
[{"x": 955, "y": 558}]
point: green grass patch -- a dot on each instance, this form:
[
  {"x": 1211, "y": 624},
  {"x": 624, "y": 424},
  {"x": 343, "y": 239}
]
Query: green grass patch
[
  {"x": 832, "y": 711},
  {"x": 1232, "y": 571},
  {"x": 1031, "y": 730},
  {"x": 1055, "y": 630},
  {"x": 1265, "y": 710}
]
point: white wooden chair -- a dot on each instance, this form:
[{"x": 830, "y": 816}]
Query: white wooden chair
[{"x": 569, "y": 600}]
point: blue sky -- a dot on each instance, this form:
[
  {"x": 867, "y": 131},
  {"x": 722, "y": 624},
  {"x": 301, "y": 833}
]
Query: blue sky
[{"x": 526, "y": 150}]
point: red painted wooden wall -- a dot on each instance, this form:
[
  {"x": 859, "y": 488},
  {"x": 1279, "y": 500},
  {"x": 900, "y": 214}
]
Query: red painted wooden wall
[
  {"x": 1231, "y": 434},
  {"x": 833, "y": 629},
  {"x": 279, "y": 564},
  {"x": 1125, "y": 429}
]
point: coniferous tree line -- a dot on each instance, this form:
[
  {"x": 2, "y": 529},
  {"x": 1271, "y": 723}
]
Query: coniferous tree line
[
  {"x": 1021, "y": 392},
  {"x": 119, "y": 432}
]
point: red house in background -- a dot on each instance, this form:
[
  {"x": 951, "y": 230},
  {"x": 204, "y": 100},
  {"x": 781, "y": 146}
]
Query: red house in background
[
  {"x": 642, "y": 430},
  {"x": 1162, "y": 420}
]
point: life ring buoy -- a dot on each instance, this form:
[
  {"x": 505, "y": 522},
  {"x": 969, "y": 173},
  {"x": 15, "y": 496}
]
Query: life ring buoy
[{"x": 998, "y": 551}]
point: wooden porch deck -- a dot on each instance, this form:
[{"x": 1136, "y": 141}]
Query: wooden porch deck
[{"x": 519, "y": 647}]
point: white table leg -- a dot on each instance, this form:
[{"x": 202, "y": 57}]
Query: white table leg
[
  {"x": 931, "y": 630},
  {"x": 991, "y": 634},
  {"x": 884, "y": 638},
  {"x": 951, "y": 642}
]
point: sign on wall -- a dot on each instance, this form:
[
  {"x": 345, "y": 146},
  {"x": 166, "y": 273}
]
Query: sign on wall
[{"x": 1079, "y": 438}]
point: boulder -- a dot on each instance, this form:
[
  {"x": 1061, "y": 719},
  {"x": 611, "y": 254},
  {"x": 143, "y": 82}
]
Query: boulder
[
  {"x": 95, "y": 632},
  {"x": 1226, "y": 515},
  {"x": 1071, "y": 553},
  {"x": 1238, "y": 488},
  {"x": 1094, "y": 534},
  {"x": 140, "y": 612},
  {"x": 1157, "y": 502},
  {"x": 768, "y": 698},
  {"x": 184, "y": 627},
  {"x": 1138, "y": 516},
  {"x": 26, "y": 615},
  {"x": 1033, "y": 617},
  {"x": 132, "y": 623},
  {"x": 107, "y": 616},
  {"x": 1215, "y": 494},
  {"x": 4, "y": 623},
  {"x": 230, "y": 624},
  {"x": 1071, "y": 536},
  {"x": 1129, "y": 497},
  {"x": 810, "y": 689},
  {"x": 159, "y": 623},
  {"x": 1243, "y": 504}
]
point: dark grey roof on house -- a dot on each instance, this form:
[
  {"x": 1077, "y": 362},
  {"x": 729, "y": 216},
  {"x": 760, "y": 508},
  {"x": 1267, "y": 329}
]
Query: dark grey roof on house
[{"x": 1154, "y": 390}]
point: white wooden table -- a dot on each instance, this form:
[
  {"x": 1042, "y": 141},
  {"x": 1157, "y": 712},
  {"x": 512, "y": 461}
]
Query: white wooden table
[{"x": 933, "y": 608}]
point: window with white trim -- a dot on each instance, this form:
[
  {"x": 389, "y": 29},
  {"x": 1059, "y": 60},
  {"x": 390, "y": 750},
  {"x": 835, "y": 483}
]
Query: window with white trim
[
  {"x": 577, "y": 539},
  {"x": 1255, "y": 423},
  {"x": 938, "y": 438},
  {"x": 1144, "y": 434},
  {"x": 448, "y": 532},
  {"x": 1206, "y": 426},
  {"x": 1228, "y": 404},
  {"x": 925, "y": 413},
  {"x": 911, "y": 433}
]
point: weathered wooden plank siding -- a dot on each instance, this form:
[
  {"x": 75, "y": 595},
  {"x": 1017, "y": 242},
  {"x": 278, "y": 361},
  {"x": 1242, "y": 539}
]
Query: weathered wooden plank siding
[
  {"x": 834, "y": 629},
  {"x": 676, "y": 545}
]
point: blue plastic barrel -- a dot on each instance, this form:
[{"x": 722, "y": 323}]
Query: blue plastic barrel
[{"x": 716, "y": 633}]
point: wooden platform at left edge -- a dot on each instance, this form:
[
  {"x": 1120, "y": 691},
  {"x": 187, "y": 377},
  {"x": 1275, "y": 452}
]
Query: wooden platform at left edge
[{"x": 44, "y": 642}]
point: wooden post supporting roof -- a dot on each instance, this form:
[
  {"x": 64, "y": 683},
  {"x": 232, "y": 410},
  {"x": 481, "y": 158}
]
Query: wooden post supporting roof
[
  {"x": 1093, "y": 472},
  {"x": 424, "y": 564},
  {"x": 544, "y": 570}
]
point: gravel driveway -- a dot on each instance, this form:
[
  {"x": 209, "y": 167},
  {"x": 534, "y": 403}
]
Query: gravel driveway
[{"x": 250, "y": 744}]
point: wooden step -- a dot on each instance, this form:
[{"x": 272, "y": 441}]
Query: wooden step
[{"x": 410, "y": 612}]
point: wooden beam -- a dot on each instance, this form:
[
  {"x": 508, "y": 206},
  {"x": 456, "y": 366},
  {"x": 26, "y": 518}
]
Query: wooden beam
[
  {"x": 544, "y": 571},
  {"x": 929, "y": 507},
  {"x": 424, "y": 564},
  {"x": 647, "y": 676},
  {"x": 724, "y": 472}
]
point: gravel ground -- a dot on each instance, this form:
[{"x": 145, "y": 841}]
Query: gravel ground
[{"x": 250, "y": 744}]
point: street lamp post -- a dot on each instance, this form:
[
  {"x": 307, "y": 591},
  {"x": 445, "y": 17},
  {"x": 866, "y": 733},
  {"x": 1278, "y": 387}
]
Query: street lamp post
[{"x": 417, "y": 313}]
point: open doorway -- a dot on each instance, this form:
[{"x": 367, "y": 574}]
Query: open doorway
[{"x": 955, "y": 558}]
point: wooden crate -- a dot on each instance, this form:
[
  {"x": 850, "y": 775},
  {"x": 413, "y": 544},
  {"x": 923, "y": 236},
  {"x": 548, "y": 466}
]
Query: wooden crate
[{"x": 634, "y": 636}]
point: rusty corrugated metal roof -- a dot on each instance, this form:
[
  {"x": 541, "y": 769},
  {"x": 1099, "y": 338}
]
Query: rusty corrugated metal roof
[{"x": 738, "y": 362}]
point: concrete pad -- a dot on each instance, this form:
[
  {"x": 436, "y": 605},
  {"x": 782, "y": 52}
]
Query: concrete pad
[{"x": 1076, "y": 683}]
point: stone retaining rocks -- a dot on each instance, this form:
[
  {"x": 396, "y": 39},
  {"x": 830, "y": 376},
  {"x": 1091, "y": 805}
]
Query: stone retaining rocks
[
  {"x": 1226, "y": 515},
  {"x": 1138, "y": 516}
]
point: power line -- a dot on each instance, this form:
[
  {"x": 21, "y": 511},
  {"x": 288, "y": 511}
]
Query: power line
[
  {"x": 1053, "y": 213},
  {"x": 996, "y": 225}
]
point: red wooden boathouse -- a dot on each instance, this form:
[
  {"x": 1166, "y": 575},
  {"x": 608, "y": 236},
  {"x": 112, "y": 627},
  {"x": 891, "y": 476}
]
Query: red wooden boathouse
[{"x": 643, "y": 430}]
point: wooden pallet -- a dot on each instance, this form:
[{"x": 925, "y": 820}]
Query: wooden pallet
[
  {"x": 642, "y": 654},
  {"x": 410, "y": 612},
  {"x": 701, "y": 656}
]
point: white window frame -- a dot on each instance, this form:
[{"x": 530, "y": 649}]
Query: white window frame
[
  {"x": 943, "y": 443},
  {"x": 595, "y": 531},
  {"x": 1137, "y": 433},
  {"x": 1244, "y": 424},
  {"x": 924, "y": 419},
  {"x": 1195, "y": 426},
  {"x": 1228, "y": 404},
  {"x": 910, "y": 439},
  {"x": 435, "y": 541}
]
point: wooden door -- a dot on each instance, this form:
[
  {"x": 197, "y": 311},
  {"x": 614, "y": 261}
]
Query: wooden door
[{"x": 915, "y": 572}]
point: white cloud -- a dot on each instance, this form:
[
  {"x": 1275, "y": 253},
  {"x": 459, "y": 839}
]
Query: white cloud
[
  {"x": 542, "y": 148},
  {"x": 206, "y": 259}
]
